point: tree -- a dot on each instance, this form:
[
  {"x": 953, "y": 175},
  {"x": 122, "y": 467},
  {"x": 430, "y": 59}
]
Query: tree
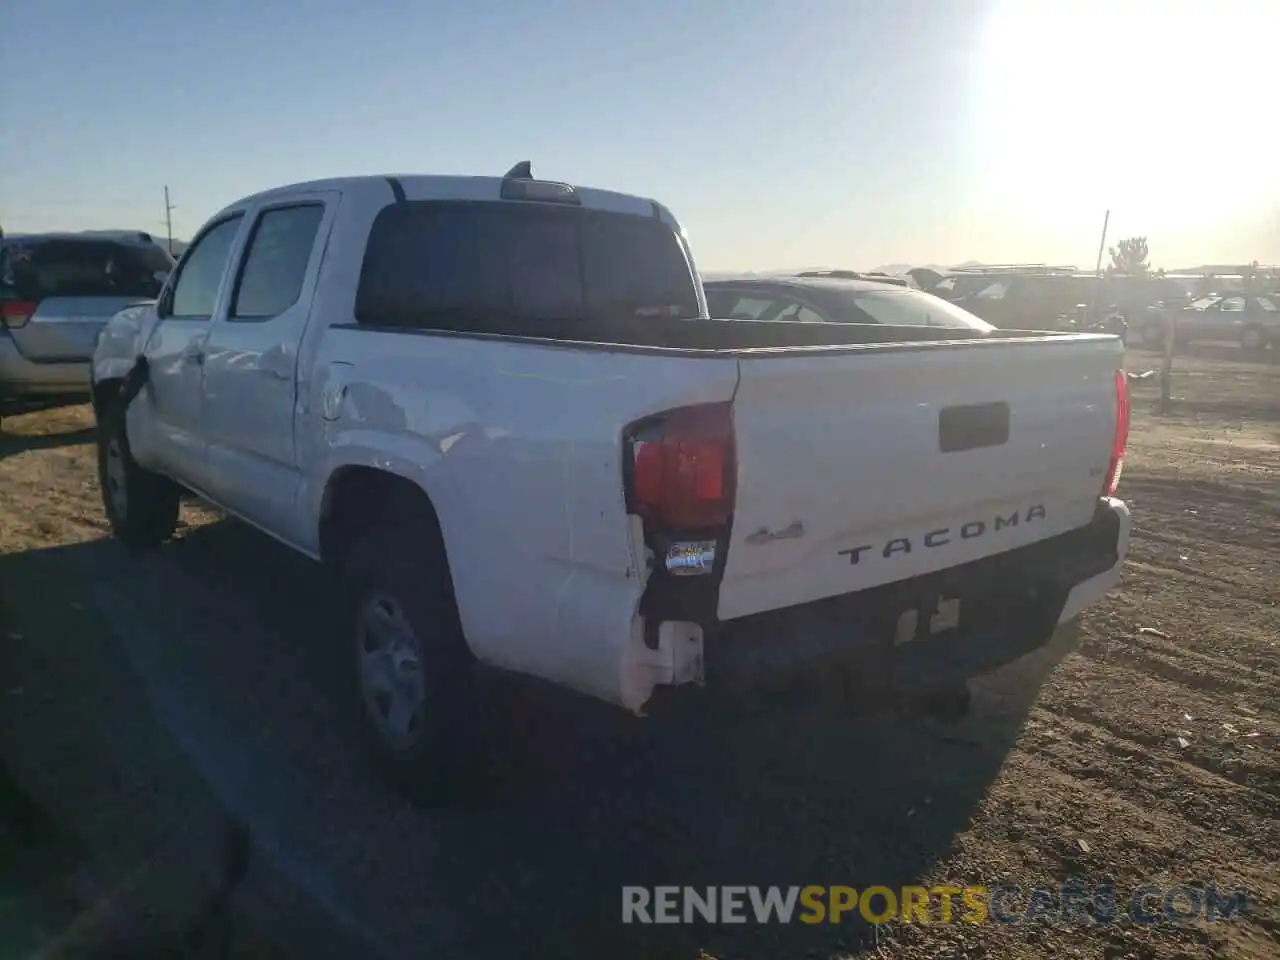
[{"x": 1129, "y": 257}]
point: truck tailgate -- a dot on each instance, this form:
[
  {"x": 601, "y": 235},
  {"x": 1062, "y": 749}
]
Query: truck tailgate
[{"x": 858, "y": 468}]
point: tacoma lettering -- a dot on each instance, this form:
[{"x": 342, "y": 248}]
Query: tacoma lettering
[{"x": 971, "y": 530}]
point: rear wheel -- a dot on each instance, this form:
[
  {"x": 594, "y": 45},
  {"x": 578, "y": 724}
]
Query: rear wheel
[
  {"x": 412, "y": 670},
  {"x": 141, "y": 506}
]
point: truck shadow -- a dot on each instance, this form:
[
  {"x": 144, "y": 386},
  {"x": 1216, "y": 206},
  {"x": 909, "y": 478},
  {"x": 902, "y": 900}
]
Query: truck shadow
[
  {"x": 11, "y": 443},
  {"x": 573, "y": 801}
]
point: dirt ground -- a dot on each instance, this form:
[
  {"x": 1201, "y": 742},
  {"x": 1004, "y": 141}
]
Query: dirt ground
[{"x": 145, "y": 698}]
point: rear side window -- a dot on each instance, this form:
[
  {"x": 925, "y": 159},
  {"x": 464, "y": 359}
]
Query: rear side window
[
  {"x": 275, "y": 263},
  {"x": 82, "y": 268},
  {"x": 454, "y": 264}
]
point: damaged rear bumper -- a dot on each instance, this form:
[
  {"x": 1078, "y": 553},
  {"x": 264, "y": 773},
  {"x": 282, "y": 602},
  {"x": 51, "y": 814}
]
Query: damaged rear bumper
[{"x": 1010, "y": 605}]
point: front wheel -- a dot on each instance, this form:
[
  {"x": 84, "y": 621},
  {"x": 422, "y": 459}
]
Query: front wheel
[{"x": 141, "y": 506}]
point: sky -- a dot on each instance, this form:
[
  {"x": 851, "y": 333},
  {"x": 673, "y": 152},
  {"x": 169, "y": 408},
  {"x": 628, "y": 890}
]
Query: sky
[{"x": 781, "y": 133}]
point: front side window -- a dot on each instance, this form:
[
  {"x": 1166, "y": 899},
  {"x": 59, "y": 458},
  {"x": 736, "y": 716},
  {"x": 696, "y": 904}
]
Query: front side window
[
  {"x": 275, "y": 262},
  {"x": 195, "y": 292}
]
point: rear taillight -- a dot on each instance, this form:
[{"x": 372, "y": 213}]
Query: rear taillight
[
  {"x": 15, "y": 313},
  {"x": 683, "y": 469},
  {"x": 1121, "y": 436}
]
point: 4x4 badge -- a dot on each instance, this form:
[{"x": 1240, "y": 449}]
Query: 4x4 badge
[{"x": 765, "y": 535}]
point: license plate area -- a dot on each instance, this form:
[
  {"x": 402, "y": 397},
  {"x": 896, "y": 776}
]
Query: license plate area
[{"x": 936, "y": 616}]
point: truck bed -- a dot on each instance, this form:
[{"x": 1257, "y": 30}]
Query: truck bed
[
  {"x": 863, "y": 455},
  {"x": 720, "y": 336}
]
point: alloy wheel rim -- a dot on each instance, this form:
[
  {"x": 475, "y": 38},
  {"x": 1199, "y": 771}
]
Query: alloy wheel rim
[{"x": 391, "y": 677}]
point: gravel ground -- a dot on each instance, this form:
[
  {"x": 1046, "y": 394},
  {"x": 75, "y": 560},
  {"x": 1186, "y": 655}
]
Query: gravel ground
[{"x": 151, "y": 700}]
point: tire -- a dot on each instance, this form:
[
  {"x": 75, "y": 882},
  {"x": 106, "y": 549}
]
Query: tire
[
  {"x": 1253, "y": 337},
  {"x": 141, "y": 506},
  {"x": 412, "y": 673}
]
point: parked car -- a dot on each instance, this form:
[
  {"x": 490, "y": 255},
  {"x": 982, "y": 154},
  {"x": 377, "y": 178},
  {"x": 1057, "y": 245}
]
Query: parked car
[
  {"x": 813, "y": 298},
  {"x": 498, "y": 409},
  {"x": 1251, "y": 320},
  {"x": 1039, "y": 297},
  {"x": 878, "y": 275},
  {"x": 57, "y": 291}
]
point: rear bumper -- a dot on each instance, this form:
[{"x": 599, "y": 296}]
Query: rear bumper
[
  {"x": 1011, "y": 604},
  {"x": 20, "y": 377}
]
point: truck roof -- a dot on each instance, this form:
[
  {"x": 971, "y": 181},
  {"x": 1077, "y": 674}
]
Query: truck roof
[{"x": 416, "y": 186}]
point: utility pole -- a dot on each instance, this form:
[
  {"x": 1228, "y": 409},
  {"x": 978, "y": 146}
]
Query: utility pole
[
  {"x": 1102, "y": 245},
  {"x": 168, "y": 220}
]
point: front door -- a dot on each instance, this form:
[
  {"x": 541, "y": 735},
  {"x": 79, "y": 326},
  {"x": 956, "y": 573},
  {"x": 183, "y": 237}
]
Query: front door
[
  {"x": 251, "y": 367},
  {"x": 169, "y": 422}
]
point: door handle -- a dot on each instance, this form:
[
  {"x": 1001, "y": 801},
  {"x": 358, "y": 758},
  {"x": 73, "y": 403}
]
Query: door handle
[{"x": 194, "y": 353}]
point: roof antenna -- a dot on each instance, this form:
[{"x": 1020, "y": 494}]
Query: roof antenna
[{"x": 521, "y": 171}]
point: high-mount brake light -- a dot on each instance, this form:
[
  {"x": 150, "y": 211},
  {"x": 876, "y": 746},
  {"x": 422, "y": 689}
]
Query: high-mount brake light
[
  {"x": 541, "y": 191},
  {"x": 1121, "y": 438}
]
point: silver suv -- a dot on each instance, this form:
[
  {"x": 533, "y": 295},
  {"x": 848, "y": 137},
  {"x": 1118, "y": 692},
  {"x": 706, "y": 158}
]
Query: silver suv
[{"x": 57, "y": 291}]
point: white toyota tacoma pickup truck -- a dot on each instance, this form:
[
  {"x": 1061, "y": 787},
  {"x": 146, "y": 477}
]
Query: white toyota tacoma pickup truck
[{"x": 497, "y": 407}]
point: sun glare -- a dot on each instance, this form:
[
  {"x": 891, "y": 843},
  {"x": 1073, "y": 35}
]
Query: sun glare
[{"x": 1166, "y": 109}]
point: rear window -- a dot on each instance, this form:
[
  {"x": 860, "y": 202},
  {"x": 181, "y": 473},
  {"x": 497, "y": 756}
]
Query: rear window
[
  {"x": 455, "y": 264},
  {"x": 38, "y": 269}
]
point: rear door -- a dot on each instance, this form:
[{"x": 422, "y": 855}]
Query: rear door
[
  {"x": 251, "y": 367},
  {"x": 881, "y": 464},
  {"x": 69, "y": 288}
]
